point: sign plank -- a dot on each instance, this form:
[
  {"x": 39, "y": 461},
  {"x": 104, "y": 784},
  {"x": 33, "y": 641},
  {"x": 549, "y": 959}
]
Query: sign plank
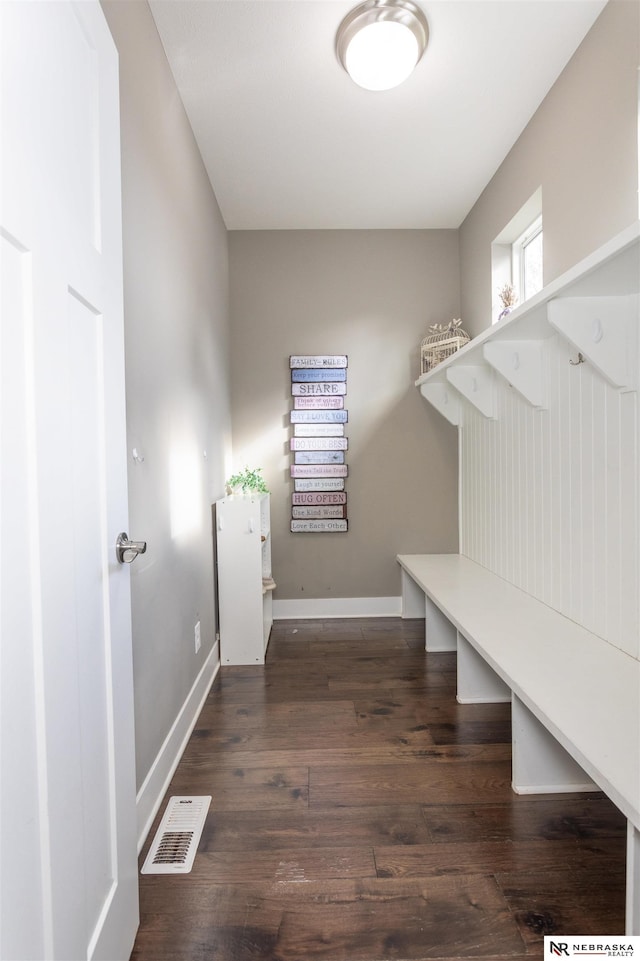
[
  {"x": 308, "y": 526},
  {"x": 302, "y": 484},
  {"x": 319, "y": 443},
  {"x": 321, "y": 414},
  {"x": 310, "y": 374},
  {"x": 318, "y": 360},
  {"x": 318, "y": 512},
  {"x": 318, "y": 430},
  {"x": 319, "y": 470},
  {"x": 318, "y": 457},
  {"x": 318, "y": 390},
  {"x": 317, "y": 498}
]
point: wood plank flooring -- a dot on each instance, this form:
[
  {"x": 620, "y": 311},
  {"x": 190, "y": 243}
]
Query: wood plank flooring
[{"x": 360, "y": 814}]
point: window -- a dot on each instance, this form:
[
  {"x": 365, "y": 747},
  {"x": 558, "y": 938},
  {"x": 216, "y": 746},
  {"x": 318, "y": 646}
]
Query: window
[
  {"x": 516, "y": 257},
  {"x": 526, "y": 261}
]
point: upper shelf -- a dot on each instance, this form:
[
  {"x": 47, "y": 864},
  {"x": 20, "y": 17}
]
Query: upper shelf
[{"x": 595, "y": 306}]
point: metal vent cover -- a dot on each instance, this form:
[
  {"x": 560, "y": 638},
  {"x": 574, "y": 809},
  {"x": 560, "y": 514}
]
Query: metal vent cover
[{"x": 174, "y": 847}]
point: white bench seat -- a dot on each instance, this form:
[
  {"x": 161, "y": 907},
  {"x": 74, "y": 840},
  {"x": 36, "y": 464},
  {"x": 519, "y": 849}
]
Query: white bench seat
[{"x": 575, "y": 697}]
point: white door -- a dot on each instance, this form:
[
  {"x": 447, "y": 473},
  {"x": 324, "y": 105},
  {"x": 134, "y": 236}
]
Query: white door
[{"x": 68, "y": 872}]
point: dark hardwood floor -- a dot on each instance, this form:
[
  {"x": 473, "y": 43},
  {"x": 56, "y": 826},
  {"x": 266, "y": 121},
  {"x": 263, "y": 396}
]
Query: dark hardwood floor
[{"x": 360, "y": 814}]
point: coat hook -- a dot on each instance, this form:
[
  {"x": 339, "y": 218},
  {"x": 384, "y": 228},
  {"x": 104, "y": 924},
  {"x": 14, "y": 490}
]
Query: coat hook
[{"x": 580, "y": 360}]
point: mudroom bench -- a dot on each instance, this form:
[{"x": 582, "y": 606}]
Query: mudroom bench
[{"x": 575, "y": 698}]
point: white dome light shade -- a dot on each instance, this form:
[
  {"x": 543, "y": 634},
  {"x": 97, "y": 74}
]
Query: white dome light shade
[
  {"x": 381, "y": 56},
  {"x": 380, "y": 42}
]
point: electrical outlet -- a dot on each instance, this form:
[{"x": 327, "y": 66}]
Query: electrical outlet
[{"x": 196, "y": 635}]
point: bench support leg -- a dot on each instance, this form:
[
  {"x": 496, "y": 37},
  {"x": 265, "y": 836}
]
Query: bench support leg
[
  {"x": 633, "y": 880},
  {"x": 540, "y": 765},
  {"x": 478, "y": 683},
  {"x": 412, "y": 597},
  {"x": 440, "y": 633}
]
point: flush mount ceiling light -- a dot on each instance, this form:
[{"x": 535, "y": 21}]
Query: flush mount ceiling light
[{"x": 381, "y": 41}]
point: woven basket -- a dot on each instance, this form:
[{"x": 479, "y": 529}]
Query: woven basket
[{"x": 441, "y": 342}]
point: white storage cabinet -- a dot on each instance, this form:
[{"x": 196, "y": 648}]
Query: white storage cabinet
[{"x": 244, "y": 564}]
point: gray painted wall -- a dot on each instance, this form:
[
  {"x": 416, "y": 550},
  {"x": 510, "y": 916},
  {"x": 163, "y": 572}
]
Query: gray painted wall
[
  {"x": 370, "y": 295},
  {"x": 581, "y": 146},
  {"x": 177, "y": 375}
]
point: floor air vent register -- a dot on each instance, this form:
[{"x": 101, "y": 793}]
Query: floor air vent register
[{"x": 174, "y": 847}]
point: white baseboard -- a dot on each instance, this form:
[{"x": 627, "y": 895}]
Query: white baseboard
[
  {"x": 327, "y": 607},
  {"x": 155, "y": 784}
]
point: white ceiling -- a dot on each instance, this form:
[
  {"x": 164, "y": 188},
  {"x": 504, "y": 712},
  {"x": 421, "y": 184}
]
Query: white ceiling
[{"x": 289, "y": 141}]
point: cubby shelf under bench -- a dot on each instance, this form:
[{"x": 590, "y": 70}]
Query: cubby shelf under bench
[{"x": 575, "y": 698}]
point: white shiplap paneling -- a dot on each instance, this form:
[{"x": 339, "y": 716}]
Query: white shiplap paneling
[{"x": 549, "y": 498}]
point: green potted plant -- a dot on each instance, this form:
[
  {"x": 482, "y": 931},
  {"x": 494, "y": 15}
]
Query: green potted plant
[{"x": 247, "y": 481}]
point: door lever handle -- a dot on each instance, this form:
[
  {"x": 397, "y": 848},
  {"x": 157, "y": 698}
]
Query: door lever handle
[{"x": 126, "y": 550}]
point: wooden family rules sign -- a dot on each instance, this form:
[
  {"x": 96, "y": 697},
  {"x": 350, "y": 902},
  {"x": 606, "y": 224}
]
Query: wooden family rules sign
[{"x": 319, "y": 445}]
